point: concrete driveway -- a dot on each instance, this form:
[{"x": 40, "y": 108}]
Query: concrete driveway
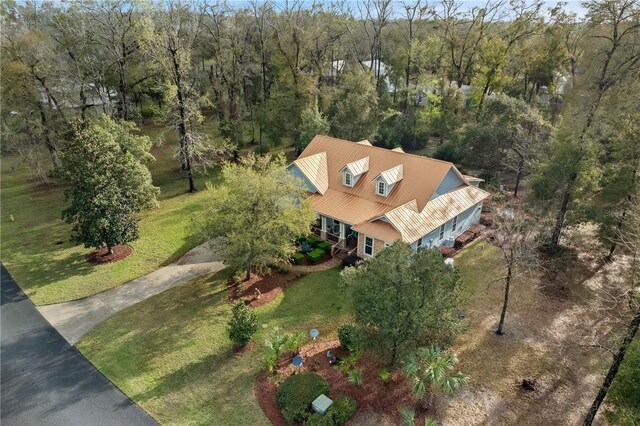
[
  {"x": 45, "y": 381},
  {"x": 74, "y": 319}
]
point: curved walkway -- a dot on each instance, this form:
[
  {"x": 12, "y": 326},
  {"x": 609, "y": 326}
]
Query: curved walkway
[
  {"x": 45, "y": 381},
  {"x": 74, "y": 319},
  {"x": 329, "y": 264}
]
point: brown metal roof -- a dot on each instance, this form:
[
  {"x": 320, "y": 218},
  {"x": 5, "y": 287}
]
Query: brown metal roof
[
  {"x": 472, "y": 178},
  {"x": 392, "y": 175},
  {"x": 421, "y": 175},
  {"x": 379, "y": 230},
  {"x": 359, "y": 167},
  {"x": 314, "y": 167},
  {"x": 413, "y": 224},
  {"x": 347, "y": 208}
]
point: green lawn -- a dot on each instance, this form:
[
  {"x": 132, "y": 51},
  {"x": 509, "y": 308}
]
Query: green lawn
[
  {"x": 171, "y": 355},
  {"x": 49, "y": 272}
]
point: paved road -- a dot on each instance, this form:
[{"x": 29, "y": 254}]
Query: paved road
[
  {"x": 74, "y": 319},
  {"x": 45, "y": 381}
]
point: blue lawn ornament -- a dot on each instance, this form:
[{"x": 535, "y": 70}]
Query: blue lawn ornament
[
  {"x": 314, "y": 333},
  {"x": 297, "y": 361}
]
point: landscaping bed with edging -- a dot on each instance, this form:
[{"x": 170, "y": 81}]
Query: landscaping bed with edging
[{"x": 373, "y": 394}]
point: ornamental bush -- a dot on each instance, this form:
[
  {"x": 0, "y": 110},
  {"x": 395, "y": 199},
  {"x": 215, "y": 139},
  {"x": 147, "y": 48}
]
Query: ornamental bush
[
  {"x": 324, "y": 246},
  {"x": 312, "y": 241},
  {"x": 342, "y": 409},
  {"x": 242, "y": 325},
  {"x": 348, "y": 334},
  {"x": 298, "y": 258},
  {"x": 315, "y": 255},
  {"x": 319, "y": 420},
  {"x": 296, "y": 394}
]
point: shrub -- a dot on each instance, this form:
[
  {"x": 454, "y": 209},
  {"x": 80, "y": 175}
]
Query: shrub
[
  {"x": 298, "y": 258},
  {"x": 355, "y": 376},
  {"x": 323, "y": 246},
  {"x": 315, "y": 255},
  {"x": 296, "y": 394},
  {"x": 384, "y": 374},
  {"x": 270, "y": 360},
  {"x": 313, "y": 241},
  {"x": 242, "y": 325},
  {"x": 319, "y": 420},
  {"x": 350, "y": 261},
  {"x": 348, "y": 336},
  {"x": 447, "y": 152},
  {"x": 342, "y": 409}
]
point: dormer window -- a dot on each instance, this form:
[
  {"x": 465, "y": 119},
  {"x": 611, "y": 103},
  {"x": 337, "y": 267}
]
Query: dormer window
[
  {"x": 352, "y": 171},
  {"x": 348, "y": 179},
  {"x": 382, "y": 188}
]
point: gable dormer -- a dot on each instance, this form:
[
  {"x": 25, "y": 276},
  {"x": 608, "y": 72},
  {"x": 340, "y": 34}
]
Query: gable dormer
[
  {"x": 352, "y": 171},
  {"x": 387, "y": 179}
]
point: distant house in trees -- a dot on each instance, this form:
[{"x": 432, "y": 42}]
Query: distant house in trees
[
  {"x": 68, "y": 96},
  {"x": 367, "y": 197},
  {"x": 341, "y": 65}
]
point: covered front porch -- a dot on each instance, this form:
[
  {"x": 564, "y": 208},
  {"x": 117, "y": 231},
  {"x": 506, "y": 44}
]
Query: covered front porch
[{"x": 337, "y": 233}]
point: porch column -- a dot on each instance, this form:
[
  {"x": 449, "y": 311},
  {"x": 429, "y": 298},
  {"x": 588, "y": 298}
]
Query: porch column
[
  {"x": 343, "y": 235},
  {"x": 323, "y": 227}
]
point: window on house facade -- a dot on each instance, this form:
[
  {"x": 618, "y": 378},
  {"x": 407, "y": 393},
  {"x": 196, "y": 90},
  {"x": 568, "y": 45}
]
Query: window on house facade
[
  {"x": 348, "y": 179},
  {"x": 441, "y": 236},
  {"x": 368, "y": 246},
  {"x": 382, "y": 188},
  {"x": 419, "y": 242},
  {"x": 454, "y": 225}
]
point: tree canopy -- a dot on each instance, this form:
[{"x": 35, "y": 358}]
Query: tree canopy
[
  {"x": 255, "y": 215},
  {"x": 103, "y": 166},
  {"x": 402, "y": 297}
]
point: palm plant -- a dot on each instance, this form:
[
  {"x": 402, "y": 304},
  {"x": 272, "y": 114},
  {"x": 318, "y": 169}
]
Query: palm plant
[
  {"x": 275, "y": 343},
  {"x": 295, "y": 340},
  {"x": 408, "y": 416},
  {"x": 433, "y": 368}
]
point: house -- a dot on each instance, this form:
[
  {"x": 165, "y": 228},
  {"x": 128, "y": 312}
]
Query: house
[{"x": 367, "y": 197}]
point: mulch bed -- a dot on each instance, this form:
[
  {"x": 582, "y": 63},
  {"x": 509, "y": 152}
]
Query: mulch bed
[
  {"x": 268, "y": 286},
  {"x": 374, "y": 394},
  {"x": 100, "y": 256}
]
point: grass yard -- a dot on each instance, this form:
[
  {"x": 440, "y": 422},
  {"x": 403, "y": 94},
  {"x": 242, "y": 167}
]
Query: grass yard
[
  {"x": 51, "y": 272},
  {"x": 171, "y": 354}
]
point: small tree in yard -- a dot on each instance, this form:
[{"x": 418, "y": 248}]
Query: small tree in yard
[
  {"x": 103, "y": 167},
  {"x": 255, "y": 215},
  {"x": 242, "y": 325},
  {"x": 430, "y": 370},
  {"x": 401, "y": 296},
  {"x": 515, "y": 239}
]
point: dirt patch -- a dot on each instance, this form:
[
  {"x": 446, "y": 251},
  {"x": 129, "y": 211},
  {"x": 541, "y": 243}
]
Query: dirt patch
[
  {"x": 382, "y": 399},
  {"x": 239, "y": 349},
  {"x": 101, "y": 257},
  {"x": 262, "y": 289}
]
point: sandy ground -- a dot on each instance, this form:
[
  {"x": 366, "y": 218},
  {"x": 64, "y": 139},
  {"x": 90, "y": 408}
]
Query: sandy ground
[{"x": 553, "y": 329}]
